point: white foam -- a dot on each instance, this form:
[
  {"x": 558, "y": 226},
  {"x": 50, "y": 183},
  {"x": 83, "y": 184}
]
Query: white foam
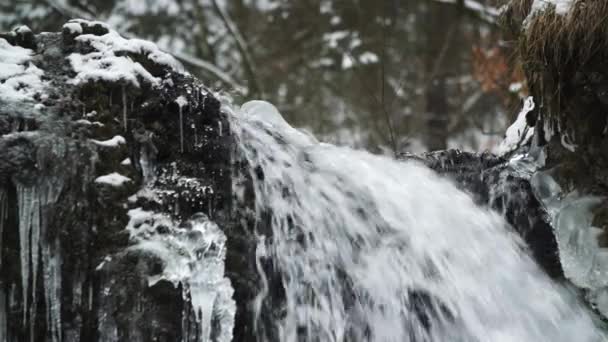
[{"x": 359, "y": 239}]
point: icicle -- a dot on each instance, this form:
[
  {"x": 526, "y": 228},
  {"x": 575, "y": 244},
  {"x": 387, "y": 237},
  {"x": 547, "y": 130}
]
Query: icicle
[
  {"x": 3, "y": 313},
  {"x": 29, "y": 238},
  {"x": 3, "y": 217},
  {"x": 181, "y": 102},
  {"x": 52, "y": 289},
  {"x": 49, "y": 191},
  {"x": 124, "y": 107},
  {"x": 32, "y": 201},
  {"x": 202, "y": 302},
  {"x": 29, "y": 235},
  {"x": 181, "y": 130}
]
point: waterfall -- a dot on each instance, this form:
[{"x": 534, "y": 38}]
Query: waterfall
[{"x": 369, "y": 248}]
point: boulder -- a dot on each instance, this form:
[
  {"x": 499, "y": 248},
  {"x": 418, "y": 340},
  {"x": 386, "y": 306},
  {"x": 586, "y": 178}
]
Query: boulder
[{"x": 117, "y": 216}]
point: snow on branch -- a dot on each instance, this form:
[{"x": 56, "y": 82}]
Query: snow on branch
[{"x": 488, "y": 14}]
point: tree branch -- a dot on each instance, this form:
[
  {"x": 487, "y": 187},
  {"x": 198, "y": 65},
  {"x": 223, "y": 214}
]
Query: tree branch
[
  {"x": 241, "y": 45},
  {"x": 489, "y": 14}
]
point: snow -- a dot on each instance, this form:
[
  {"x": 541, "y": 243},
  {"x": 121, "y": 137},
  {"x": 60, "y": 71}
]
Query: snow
[
  {"x": 515, "y": 87},
  {"x": 114, "y": 179},
  {"x": 518, "y": 133},
  {"x": 23, "y": 29},
  {"x": 73, "y": 27},
  {"x": 368, "y": 58},
  {"x": 562, "y": 7},
  {"x": 347, "y": 62},
  {"x": 333, "y": 38},
  {"x": 181, "y": 101},
  {"x": 116, "y": 141},
  {"x": 20, "y": 79},
  {"x": 101, "y": 66},
  {"x": 108, "y": 64},
  {"x": 90, "y": 23},
  {"x": 114, "y": 42}
]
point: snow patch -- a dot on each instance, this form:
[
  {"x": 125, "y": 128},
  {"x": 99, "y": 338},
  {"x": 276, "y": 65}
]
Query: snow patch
[
  {"x": 101, "y": 66},
  {"x": 518, "y": 133},
  {"x": 20, "y": 79},
  {"x": 108, "y": 62},
  {"x": 73, "y": 27},
  {"x": 114, "y": 179},
  {"x": 114, "y": 142},
  {"x": 368, "y": 58},
  {"x": 562, "y": 7},
  {"x": 181, "y": 101}
]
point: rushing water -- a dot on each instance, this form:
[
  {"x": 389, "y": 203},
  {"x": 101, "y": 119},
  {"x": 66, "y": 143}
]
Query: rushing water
[{"x": 374, "y": 249}]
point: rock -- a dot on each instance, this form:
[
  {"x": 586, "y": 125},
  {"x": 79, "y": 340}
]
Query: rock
[
  {"x": 567, "y": 74},
  {"x": 117, "y": 217},
  {"x": 503, "y": 186}
]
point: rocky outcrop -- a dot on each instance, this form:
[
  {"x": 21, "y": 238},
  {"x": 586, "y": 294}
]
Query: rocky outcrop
[
  {"x": 504, "y": 186},
  {"x": 117, "y": 217},
  {"x": 561, "y": 46}
]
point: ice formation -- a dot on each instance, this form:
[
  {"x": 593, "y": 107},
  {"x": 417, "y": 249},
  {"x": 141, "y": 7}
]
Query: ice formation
[
  {"x": 33, "y": 202},
  {"x": 193, "y": 253},
  {"x": 584, "y": 261}
]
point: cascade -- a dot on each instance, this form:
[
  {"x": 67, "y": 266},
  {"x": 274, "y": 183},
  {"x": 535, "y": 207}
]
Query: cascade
[{"x": 373, "y": 249}]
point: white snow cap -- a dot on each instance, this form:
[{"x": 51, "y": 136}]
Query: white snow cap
[
  {"x": 116, "y": 141},
  {"x": 104, "y": 64},
  {"x": 19, "y": 77},
  {"x": 518, "y": 133},
  {"x": 114, "y": 179},
  {"x": 562, "y": 7}
]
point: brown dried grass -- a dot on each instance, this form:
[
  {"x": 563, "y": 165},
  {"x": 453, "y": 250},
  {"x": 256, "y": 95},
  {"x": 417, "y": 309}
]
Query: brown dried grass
[{"x": 550, "y": 40}]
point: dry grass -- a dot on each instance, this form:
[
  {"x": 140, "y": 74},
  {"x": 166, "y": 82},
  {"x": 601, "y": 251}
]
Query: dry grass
[
  {"x": 555, "y": 49},
  {"x": 561, "y": 41}
]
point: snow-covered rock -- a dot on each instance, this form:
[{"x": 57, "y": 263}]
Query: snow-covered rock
[
  {"x": 20, "y": 79},
  {"x": 107, "y": 191}
]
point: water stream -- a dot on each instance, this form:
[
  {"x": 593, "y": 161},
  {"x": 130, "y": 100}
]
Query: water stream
[{"x": 374, "y": 249}]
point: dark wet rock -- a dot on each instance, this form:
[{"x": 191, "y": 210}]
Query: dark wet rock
[
  {"x": 75, "y": 159},
  {"x": 494, "y": 181}
]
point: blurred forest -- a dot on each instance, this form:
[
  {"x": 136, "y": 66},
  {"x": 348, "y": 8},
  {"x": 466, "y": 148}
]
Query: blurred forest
[{"x": 384, "y": 75}]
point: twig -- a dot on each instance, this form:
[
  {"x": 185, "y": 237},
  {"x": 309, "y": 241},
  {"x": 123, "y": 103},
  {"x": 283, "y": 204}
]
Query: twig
[
  {"x": 489, "y": 14},
  {"x": 387, "y": 116},
  {"x": 241, "y": 45}
]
